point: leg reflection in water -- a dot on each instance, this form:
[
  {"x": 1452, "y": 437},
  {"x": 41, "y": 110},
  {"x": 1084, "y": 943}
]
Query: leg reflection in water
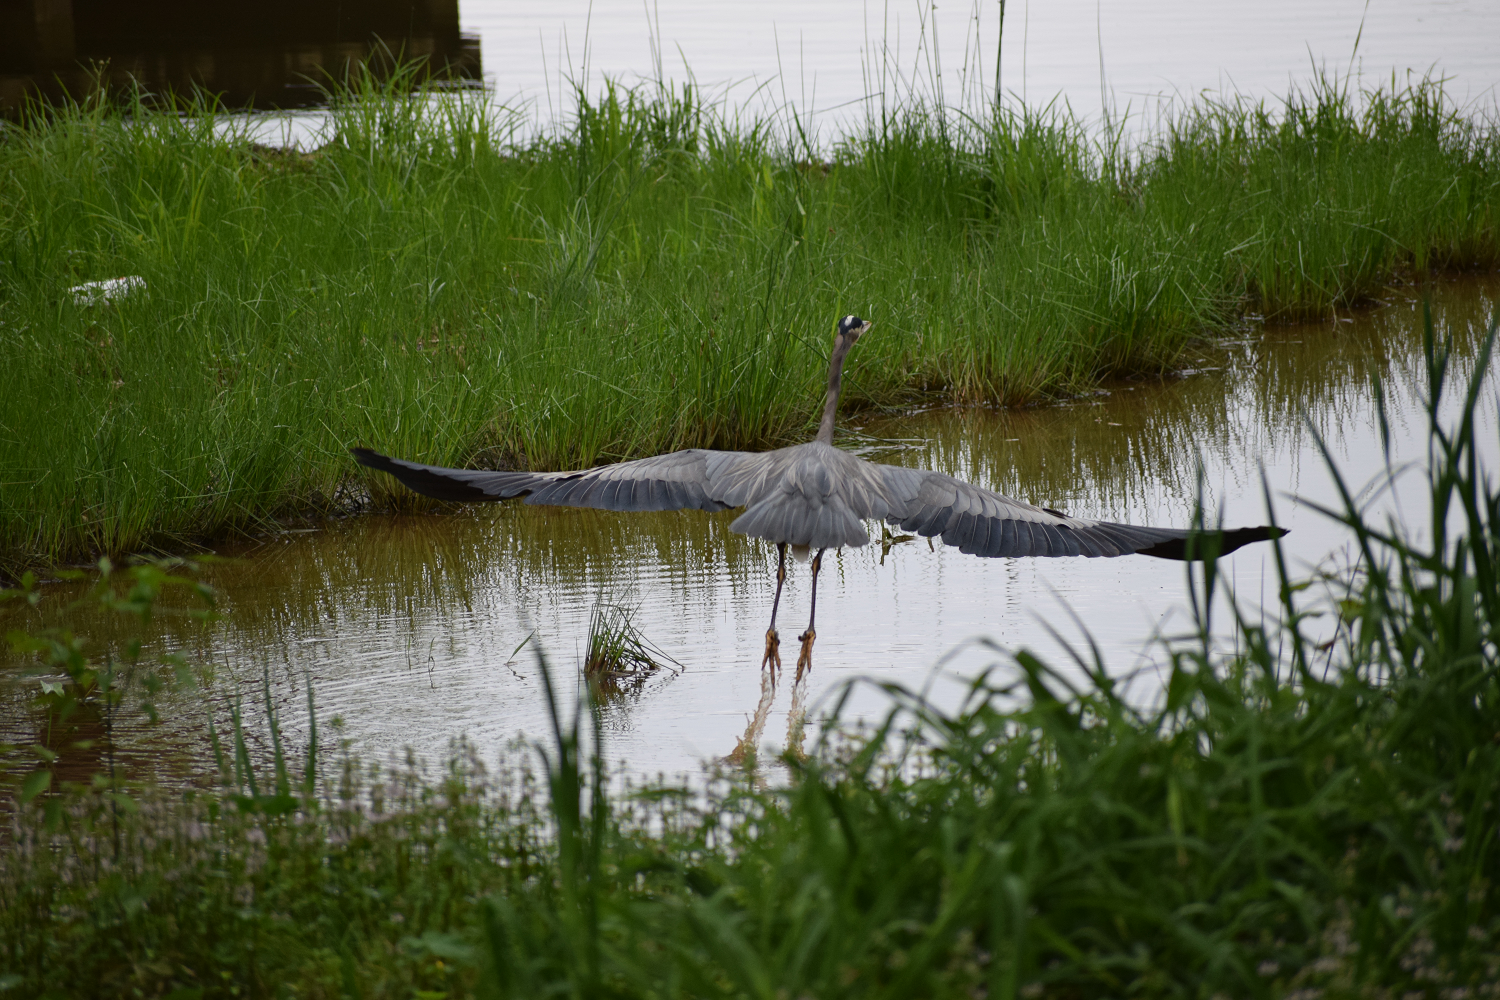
[
  {"x": 796, "y": 719},
  {"x": 746, "y": 747}
]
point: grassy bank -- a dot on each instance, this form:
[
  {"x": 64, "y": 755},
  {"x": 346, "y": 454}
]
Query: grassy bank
[
  {"x": 1301, "y": 817},
  {"x": 657, "y": 274}
]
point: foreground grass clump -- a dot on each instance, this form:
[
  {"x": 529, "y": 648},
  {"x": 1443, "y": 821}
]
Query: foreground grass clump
[
  {"x": 440, "y": 279},
  {"x": 1299, "y": 817}
]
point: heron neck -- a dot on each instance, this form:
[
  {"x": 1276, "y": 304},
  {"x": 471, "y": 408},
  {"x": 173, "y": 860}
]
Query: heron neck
[{"x": 835, "y": 382}]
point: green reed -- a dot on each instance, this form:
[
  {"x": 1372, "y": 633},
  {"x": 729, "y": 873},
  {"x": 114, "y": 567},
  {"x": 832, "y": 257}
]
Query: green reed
[
  {"x": 442, "y": 279},
  {"x": 1298, "y": 815},
  {"x": 620, "y": 658}
]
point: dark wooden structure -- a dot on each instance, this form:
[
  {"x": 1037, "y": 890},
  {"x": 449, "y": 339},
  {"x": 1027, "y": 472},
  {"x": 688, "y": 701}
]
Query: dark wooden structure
[{"x": 267, "y": 54}]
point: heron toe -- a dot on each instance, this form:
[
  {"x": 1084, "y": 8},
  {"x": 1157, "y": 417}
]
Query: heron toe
[
  {"x": 772, "y": 657},
  {"x": 804, "y": 658}
]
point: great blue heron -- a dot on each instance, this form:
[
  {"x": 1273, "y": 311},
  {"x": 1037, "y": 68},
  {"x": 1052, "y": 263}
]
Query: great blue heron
[{"x": 815, "y": 497}]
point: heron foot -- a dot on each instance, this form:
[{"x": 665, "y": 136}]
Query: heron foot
[
  {"x": 772, "y": 657},
  {"x": 804, "y": 658}
]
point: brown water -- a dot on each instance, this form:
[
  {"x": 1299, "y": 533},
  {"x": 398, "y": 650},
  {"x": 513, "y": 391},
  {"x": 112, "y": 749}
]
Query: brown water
[{"x": 407, "y": 626}]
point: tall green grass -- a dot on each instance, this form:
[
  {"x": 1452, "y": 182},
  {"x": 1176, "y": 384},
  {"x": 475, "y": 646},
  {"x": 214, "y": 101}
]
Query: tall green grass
[
  {"x": 1307, "y": 812},
  {"x": 445, "y": 279}
]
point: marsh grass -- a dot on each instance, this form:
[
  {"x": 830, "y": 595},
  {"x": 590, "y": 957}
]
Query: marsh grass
[
  {"x": 1297, "y": 817},
  {"x": 443, "y": 279},
  {"x": 620, "y": 658}
]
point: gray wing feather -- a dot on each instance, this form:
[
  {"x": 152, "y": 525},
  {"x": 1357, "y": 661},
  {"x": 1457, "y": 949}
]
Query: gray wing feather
[
  {"x": 665, "y": 482},
  {"x": 813, "y": 494},
  {"x": 810, "y": 494},
  {"x": 982, "y": 522}
]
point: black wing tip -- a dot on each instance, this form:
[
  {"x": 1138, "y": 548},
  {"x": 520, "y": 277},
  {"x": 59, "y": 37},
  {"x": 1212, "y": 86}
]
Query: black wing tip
[
  {"x": 1217, "y": 543},
  {"x": 373, "y": 459},
  {"x": 426, "y": 480}
]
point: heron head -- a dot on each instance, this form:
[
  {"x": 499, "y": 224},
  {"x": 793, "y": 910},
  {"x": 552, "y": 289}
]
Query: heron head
[{"x": 850, "y": 329}]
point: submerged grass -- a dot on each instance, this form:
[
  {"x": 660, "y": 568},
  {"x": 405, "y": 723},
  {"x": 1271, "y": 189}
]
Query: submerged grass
[
  {"x": 440, "y": 279},
  {"x": 1296, "y": 818},
  {"x": 620, "y": 659}
]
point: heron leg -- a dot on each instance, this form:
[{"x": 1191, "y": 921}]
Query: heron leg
[
  {"x": 772, "y": 657},
  {"x": 804, "y": 658}
]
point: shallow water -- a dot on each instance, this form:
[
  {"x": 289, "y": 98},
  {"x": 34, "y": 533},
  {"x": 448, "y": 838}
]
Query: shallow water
[{"x": 408, "y": 626}]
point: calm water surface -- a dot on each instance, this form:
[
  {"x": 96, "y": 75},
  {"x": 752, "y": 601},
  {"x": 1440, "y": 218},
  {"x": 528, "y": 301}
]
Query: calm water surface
[
  {"x": 834, "y": 60},
  {"x": 831, "y": 54},
  {"x": 408, "y": 626}
]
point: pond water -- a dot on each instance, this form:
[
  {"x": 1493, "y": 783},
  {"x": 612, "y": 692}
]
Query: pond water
[
  {"x": 826, "y": 56},
  {"x": 835, "y": 60},
  {"x": 407, "y": 627}
]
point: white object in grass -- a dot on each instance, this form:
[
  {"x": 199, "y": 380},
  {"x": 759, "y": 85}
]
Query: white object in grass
[{"x": 93, "y": 293}]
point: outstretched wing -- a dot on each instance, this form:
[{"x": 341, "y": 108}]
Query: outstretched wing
[
  {"x": 677, "y": 481},
  {"x": 984, "y": 523},
  {"x": 816, "y": 495}
]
